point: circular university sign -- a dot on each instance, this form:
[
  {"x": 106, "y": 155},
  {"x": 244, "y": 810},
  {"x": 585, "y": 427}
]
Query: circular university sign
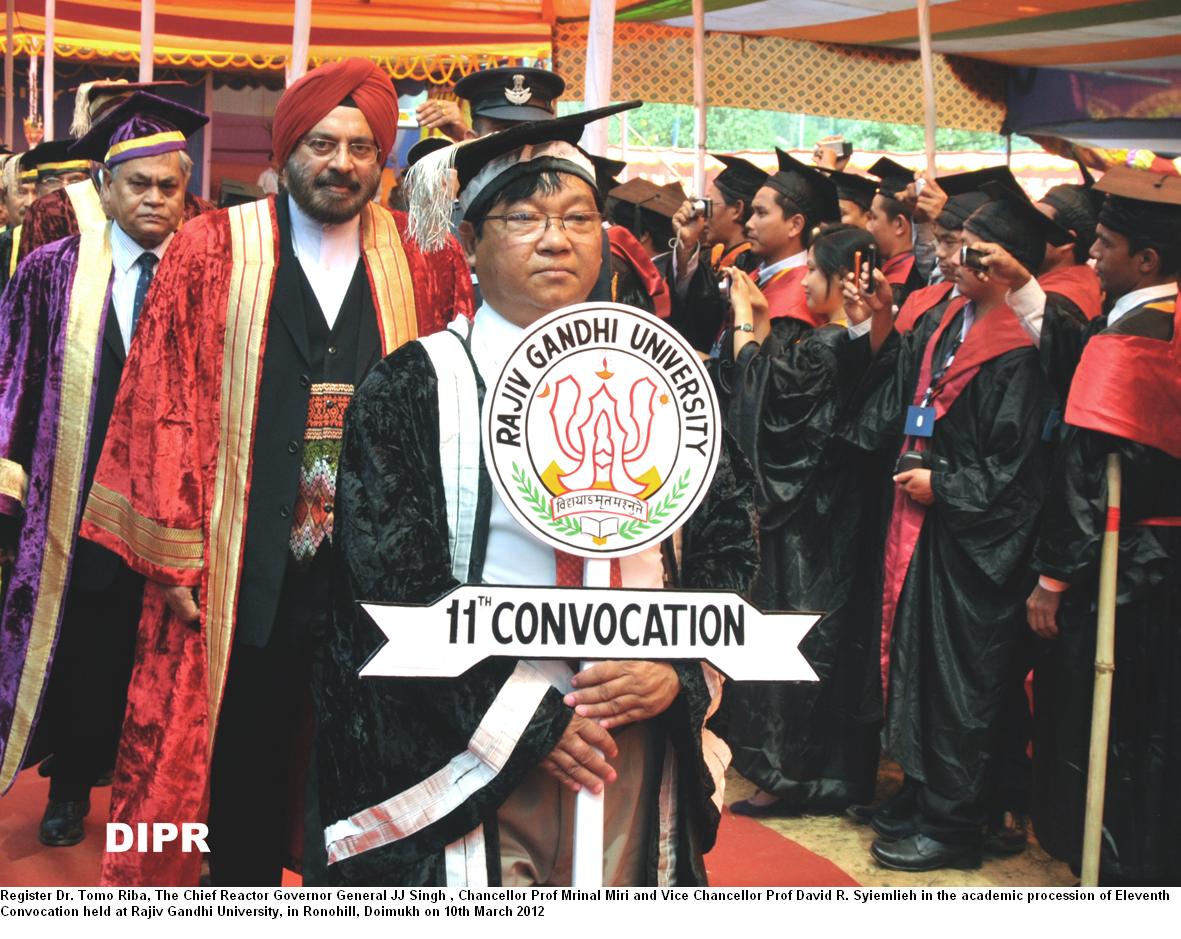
[{"x": 602, "y": 432}]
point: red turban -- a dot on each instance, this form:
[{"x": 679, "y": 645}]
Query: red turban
[{"x": 306, "y": 103}]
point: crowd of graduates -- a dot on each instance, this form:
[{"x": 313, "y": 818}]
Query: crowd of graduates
[{"x": 925, "y": 374}]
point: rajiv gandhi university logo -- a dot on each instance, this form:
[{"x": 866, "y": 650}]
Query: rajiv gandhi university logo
[{"x": 601, "y": 434}]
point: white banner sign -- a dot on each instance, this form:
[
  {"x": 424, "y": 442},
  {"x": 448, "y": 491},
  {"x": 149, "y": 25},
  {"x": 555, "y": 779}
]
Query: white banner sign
[{"x": 475, "y": 622}]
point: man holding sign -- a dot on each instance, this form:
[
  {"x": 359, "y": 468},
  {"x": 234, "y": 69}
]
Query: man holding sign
[{"x": 472, "y": 780}]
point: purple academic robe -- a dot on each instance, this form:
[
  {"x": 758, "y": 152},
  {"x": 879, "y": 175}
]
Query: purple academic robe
[{"x": 52, "y": 316}]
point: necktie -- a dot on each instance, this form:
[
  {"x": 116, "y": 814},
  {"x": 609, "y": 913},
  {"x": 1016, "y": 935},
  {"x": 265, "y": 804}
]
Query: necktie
[
  {"x": 147, "y": 267},
  {"x": 569, "y": 569}
]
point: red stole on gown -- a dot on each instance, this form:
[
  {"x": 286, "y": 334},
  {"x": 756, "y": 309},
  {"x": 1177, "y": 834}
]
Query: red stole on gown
[
  {"x": 1079, "y": 284},
  {"x": 625, "y": 247},
  {"x": 920, "y": 303},
  {"x": 991, "y": 336},
  {"x": 897, "y": 269},
  {"x": 1130, "y": 386},
  {"x": 171, "y": 490},
  {"x": 785, "y": 297}
]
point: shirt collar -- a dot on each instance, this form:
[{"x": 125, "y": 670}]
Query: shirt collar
[
  {"x": 770, "y": 270},
  {"x": 1129, "y": 301},
  {"x": 493, "y": 340},
  {"x": 314, "y": 241},
  {"x": 125, "y": 250}
]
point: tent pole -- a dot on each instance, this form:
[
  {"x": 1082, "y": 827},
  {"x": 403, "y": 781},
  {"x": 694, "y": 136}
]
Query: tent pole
[
  {"x": 47, "y": 78},
  {"x": 699, "y": 96},
  {"x": 147, "y": 40},
  {"x": 9, "y": 77},
  {"x": 301, "y": 33},
  {"x": 600, "y": 44},
  {"x": 1104, "y": 669},
  {"x": 207, "y": 143},
  {"x": 928, "y": 66}
]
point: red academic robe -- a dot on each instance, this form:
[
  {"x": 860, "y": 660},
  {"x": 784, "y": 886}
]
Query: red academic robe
[
  {"x": 171, "y": 490},
  {"x": 785, "y": 297},
  {"x": 897, "y": 269},
  {"x": 1079, "y": 284},
  {"x": 627, "y": 248},
  {"x": 920, "y": 303}
]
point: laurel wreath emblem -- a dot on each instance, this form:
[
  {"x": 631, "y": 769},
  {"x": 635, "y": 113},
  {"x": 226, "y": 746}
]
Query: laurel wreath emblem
[
  {"x": 540, "y": 507},
  {"x": 629, "y": 530}
]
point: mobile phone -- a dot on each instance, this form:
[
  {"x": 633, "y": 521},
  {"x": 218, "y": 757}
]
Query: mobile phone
[
  {"x": 870, "y": 262},
  {"x": 973, "y": 259},
  {"x": 910, "y": 460}
]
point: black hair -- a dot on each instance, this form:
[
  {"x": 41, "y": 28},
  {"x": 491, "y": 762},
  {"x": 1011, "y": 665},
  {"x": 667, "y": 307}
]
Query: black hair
[
  {"x": 547, "y": 182},
  {"x": 790, "y": 207},
  {"x": 1169, "y": 254},
  {"x": 893, "y": 208},
  {"x": 732, "y": 197},
  {"x": 834, "y": 248}
]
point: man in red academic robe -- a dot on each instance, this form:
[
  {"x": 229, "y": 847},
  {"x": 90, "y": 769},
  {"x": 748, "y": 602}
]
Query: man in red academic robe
[
  {"x": 1065, "y": 272},
  {"x": 891, "y": 222},
  {"x": 261, "y": 321}
]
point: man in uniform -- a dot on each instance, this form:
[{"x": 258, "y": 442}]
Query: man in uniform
[{"x": 497, "y": 98}]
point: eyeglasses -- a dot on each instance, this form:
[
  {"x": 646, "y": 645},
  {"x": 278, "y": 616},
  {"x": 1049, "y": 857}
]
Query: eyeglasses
[
  {"x": 324, "y": 147},
  {"x": 534, "y": 224}
]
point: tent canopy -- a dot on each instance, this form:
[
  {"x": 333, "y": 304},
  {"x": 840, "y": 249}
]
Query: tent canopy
[{"x": 1092, "y": 34}]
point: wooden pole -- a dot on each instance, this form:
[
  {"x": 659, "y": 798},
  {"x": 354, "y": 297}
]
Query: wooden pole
[
  {"x": 47, "y": 76},
  {"x": 600, "y": 46},
  {"x": 147, "y": 39},
  {"x": 588, "y": 806},
  {"x": 9, "y": 77},
  {"x": 699, "y": 96},
  {"x": 1104, "y": 673},
  {"x": 928, "y": 66},
  {"x": 301, "y": 34},
  {"x": 207, "y": 141}
]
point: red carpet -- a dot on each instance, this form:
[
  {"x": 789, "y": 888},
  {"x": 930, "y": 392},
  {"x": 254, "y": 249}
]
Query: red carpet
[{"x": 747, "y": 854}]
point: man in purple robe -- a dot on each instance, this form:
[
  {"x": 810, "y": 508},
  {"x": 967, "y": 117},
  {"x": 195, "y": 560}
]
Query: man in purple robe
[{"x": 67, "y": 629}]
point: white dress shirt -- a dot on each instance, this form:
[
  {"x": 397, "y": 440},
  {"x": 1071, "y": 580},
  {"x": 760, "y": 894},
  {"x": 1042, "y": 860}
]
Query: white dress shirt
[
  {"x": 125, "y": 252},
  {"x": 767, "y": 271},
  {"x": 1029, "y": 303},
  {"x": 328, "y": 255}
]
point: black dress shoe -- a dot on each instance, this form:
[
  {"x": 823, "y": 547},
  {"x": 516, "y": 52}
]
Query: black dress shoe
[
  {"x": 1006, "y": 835},
  {"x": 61, "y": 825},
  {"x": 892, "y": 828},
  {"x": 753, "y": 810},
  {"x": 920, "y": 853}
]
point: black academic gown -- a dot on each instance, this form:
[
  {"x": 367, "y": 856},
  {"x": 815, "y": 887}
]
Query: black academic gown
[
  {"x": 1141, "y": 819},
  {"x": 812, "y": 744},
  {"x": 961, "y": 612},
  {"x": 699, "y": 312},
  {"x": 380, "y": 738}
]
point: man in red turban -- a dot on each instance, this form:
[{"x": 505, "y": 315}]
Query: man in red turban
[{"x": 262, "y": 319}]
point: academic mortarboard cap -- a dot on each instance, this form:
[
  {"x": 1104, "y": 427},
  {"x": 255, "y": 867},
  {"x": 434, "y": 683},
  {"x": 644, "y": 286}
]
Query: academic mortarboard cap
[
  {"x": 425, "y": 146},
  {"x": 645, "y": 194},
  {"x": 893, "y": 175},
  {"x": 485, "y": 165},
  {"x": 1142, "y": 185},
  {"x": 1024, "y": 214},
  {"x": 94, "y": 99},
  {"x": 956, "y": 184},
  {"x": 143, "y": 124},
  {"x": 853, "y": 187},
  {"x": 53, "y": 157},
  {"x": 813, "y": 192},
  {"x": 512, "y": 94},
  {"x": 740, "y": 177},
  {"x": 606, "y": 171}
]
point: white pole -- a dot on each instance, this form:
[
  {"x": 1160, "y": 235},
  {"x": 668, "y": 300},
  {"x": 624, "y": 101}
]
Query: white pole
[
  {"x": 699, "y": 96},
  {"x": 9, "y": 77},
  {"x": 207, "y": 148},
  {"x": 301, "y": 34},
  {"x": 588, "y": 806},
  {"x": 600, "y": 43},
  {"x": 147, "y": 39},
  {"x": 928, "y": 66},
  {"x": 47, "y": 78}
]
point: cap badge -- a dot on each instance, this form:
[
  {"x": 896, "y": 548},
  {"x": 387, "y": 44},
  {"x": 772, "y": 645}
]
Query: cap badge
[{"x": 518, "y": 94}]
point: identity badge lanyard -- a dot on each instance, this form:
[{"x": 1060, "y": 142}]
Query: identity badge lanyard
[{"x": 920, "y": 418}]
